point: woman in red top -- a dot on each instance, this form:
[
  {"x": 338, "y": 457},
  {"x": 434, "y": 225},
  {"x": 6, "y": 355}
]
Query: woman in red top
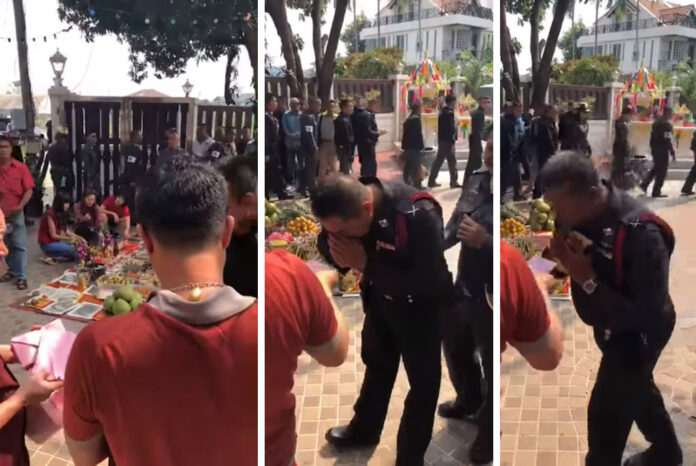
[
  {"x": 13, "y": 399},
  {"x": 90, "y": 217},
  {"x": 54, "y": 238}
]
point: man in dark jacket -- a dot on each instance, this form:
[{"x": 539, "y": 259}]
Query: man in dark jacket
[
  {"x": 278, "y": 113},
  {"x": 617, "y": 254},
  {"x": 478, "y": 126},
  {"x": 61, "y": 160},
  {"x": 545, "y": 137},
  {"x": 366, "y": 136},
  {"x": 468, "y": 324},
  {"x": 273, "y": 164},
  {"x": 309, "y": 144},
  {"x": 567, "y": 127},
  {"x": 343, "y": 136},
  {"x": 621, "y": 148},
  {"x": 509, "y": 144},
  {"x": 393, "y": 234},
  {"x": 412, "y": 145},
  {"x": 447, "y": 132},
  {"x": 91, "y": 165},
  {"x": 661, "y": 147}
]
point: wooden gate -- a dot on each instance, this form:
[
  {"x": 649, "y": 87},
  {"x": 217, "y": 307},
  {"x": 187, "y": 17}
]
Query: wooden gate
[
  {"x": 154, "y": 119},
  {"x": 101, "y": 118},
  {"x": 225, "y": 116}
]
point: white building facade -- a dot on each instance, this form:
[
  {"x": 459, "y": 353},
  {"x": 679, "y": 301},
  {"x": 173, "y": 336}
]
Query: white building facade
[
  {"x": 448, "y": 28},
  {"x": 666, "y": 36}
]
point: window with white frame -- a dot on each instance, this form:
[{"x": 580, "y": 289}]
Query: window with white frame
[{"x": 679, "y": 51}]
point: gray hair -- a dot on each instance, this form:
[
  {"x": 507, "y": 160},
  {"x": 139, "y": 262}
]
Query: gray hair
[{"x": 570, "y": 169}]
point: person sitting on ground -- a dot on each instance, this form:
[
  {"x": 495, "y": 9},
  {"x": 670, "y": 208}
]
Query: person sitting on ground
[
  {"x": 241, "y": 265},
  {"x": 183, "y": 366},
  {"x": 56, "y": 241},
  {"x": 118, "y": 214},
  {"x": 300, "y": 316},
  {"x": 89, "y": 217},
  {"x": 13, "y": 400}
]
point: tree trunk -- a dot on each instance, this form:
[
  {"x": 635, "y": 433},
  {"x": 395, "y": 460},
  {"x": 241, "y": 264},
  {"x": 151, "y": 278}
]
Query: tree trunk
[
  {"x": 231, "y": 55},
  {"x": 316, "y": 35},
  {"x": 27, "y": 98},
  {"x": 299, "y": 71},
  {"x": 277, "y": 10},
  {"x": 325, "y": 79},
  {"x": 534, "y": 36},
  {"x": 540, "y": 81},
  {"x": 251, "y": 44},
  {"x": 507, "y": 56},
  {"x": 596, "y": 26}
]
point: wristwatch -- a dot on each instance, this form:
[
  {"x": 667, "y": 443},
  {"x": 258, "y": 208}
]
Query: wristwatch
[{"x": 590, "y": 286}]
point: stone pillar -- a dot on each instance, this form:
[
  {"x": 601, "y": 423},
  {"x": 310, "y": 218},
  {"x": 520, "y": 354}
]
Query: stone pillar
[
  {"x": 614, "y": 88},
  {"x": 192, "y": 121},
  {"x": 399, "y": 80},
  {"x": 58, "y": 94}
]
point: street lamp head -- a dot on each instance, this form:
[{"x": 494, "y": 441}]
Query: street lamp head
[
  {"x": 187, "y": 87},
  {"x": 58, "y": 64}
]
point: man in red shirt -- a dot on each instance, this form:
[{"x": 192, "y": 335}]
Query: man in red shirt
[
  {"x": 173, "y": 383},
  {"x": 525, "y": 319},
  {"x": 16, "y": 187},
  {"x": 118, "y": 214},
  {"x": 300, "y": 316}
]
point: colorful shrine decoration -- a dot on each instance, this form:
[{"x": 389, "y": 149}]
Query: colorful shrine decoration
[
  {"x": 642, "y": 89},
  {"x": 465, "y": 104},
  {"x": 426, "y": 82}
]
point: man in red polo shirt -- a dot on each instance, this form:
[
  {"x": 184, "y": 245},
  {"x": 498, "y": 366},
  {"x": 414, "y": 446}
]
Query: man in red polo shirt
[
  {"x": 173, "y": 383},
  {"x": 300, "y": 316},
  {"x": 526, "y": 321},
  {"x": 118, "y": 214},
  {"x": 16, "y": 187}
]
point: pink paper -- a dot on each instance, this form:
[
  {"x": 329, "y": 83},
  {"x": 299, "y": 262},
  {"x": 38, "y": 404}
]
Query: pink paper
[{"x": 46, "y": 348}]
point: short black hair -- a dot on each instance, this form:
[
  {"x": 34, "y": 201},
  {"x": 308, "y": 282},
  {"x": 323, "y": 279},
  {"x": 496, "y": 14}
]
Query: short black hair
[
  {"x": 270, "y": 98},
  {"x": 59, "y": 200},
  {"x": 5, "y": 139},
  {"x": 171, "y": 131},
  {"x": 183, "y": 204},
  {"x": 345, "y": 103},
  {"x": 241, "y": 173},
  {"x": 450, "y": 98},
  {"x": 338, "y": 195},
  {"x": 572, "y": 169}
]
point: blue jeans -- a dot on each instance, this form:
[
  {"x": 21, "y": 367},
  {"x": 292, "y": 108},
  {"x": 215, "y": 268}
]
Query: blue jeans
[
  {"x": 16, "y": 241},
  {"x": 59, "y": 249}
]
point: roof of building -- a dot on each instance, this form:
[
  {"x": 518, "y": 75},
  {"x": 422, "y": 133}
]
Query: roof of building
[{"x": 148, "y": 93}]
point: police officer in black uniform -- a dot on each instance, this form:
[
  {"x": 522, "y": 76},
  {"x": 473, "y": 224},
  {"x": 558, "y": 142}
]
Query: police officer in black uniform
[
  {"x": 478, "y": 124},
  {"x": 309, "y": 144},
  {"x": 274, "y": 178},
  {"x": 447, "y": 134},
  {"x": 468, "y": 323},
  {"x": 661, "y": 147},
  {"x": 61, "y": 160},
  {"x": 617, "y": 254},
  {"x": 621, "y": 149},
  {"x": 133, "y": 165},
  {"x": 393, "y": 234},
  {"x": 343, "y": 136}
]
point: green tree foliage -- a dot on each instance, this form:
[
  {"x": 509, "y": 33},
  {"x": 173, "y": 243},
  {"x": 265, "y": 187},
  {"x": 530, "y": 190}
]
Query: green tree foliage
[
  {"x": 566, "y": 42},
  {"x": 165, "y": 34},
  {"x": 353, "y": 29},
  {"x": 476, "y": 72},
  {"x": 375, "y": 64},
  {"x": 592, "y": 71},
  {"x": 686, "y": 81}
]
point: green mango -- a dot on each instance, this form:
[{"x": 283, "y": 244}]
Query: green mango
[
  {"x": 136, "y": 301},
  {"x": 124, "y": 292},
  {"x": 109, "y": 304},
  {"x": 543, "y": 207},
  {"x": 121, "y": 307}
]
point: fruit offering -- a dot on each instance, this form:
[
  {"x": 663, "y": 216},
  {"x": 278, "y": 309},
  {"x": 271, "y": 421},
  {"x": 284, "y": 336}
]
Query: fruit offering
[
  {"x": 302, "y": 226},
  {"x": 542, "y": 216},
  {"x": 511, "y": 227},
  {"x": 272, "y": 213},
  {"x": 279, "y": 239},
  {"x": 124, "y": 300},
  {"x": 508, "y": 210},
  {"x": 526, "y": 245}
]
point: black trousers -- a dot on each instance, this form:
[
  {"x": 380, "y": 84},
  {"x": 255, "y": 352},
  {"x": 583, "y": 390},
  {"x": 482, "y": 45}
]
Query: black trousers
[
  {"x": 293, "y": 165},
  {"x": 658, "y": 172},
  {"x": 475, "y": 153},
  {"x": 690, "y": 178},
  {"x": 309, "y": 170},
  {"x": 466, "y": 327},
  {"x": 393, "y": 331},
  {"x": 274, "y": 174},
  {"x": 368, "y": 159},
  {"x": 345, "y": 159},
  {"x": 508, "y": 172},
  {"x": 625, "y": 392},
  {"x": 413, "y": 159},
  {"x": 618, "y": 169},
  {"x": 538, "y": 188},
  {"x": 445, "y": 150}
]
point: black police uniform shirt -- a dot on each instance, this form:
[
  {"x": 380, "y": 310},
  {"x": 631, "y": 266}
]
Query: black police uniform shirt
[
  {"x": 409, "y": 267},
  {"x": 446, "y": 127},
  {"x": 661, "y": 135},
  {"x": 475, "y": 265},
  {"x": 641, "y": 303},
  {"x": 241, "y": 266}
]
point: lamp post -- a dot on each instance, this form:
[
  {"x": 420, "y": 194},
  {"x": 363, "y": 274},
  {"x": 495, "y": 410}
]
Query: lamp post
[
  {"x": 58, "y": 64},
  {"x": 187, "y": 87}
]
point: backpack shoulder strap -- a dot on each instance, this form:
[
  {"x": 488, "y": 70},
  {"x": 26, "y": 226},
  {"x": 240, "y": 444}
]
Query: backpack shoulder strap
[
  {"x": 631, "y": 221},
  {"x": 406, "y": 209}
]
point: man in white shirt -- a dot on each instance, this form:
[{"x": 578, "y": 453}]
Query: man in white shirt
[{"x": 202, "y": 143}]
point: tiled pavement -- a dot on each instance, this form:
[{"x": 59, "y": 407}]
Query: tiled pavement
[{"x": 543, "y": 415}]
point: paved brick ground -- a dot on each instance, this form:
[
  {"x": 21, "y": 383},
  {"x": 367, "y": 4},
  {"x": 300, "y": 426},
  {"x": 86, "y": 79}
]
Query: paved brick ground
[{"x": 543, "y": 415}]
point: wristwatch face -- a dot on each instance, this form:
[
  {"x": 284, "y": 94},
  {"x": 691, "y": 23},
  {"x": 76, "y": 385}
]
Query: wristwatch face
[{"x": 589, "y": 286}]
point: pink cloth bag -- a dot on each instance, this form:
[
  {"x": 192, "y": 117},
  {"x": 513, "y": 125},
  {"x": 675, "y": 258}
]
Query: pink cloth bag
[{"x": 45, "y": 348}]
